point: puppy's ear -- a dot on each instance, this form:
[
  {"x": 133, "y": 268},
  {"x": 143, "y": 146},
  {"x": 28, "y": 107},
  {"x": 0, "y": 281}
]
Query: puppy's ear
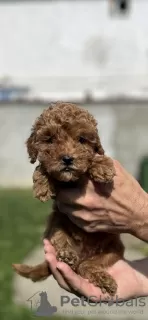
[
  {"x": 43, "y": 188},
  {"x": 31, "y": 141},
  {"x": 31, "y": 148}
]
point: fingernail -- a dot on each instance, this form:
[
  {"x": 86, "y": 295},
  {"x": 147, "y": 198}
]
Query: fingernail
[{"x": 45, "y": 241}]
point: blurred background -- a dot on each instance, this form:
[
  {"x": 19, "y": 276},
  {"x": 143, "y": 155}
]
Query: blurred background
[{"x": 91, "y": 52}]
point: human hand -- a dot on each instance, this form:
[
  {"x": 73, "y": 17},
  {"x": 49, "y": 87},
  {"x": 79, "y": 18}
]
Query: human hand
[
  {"x": 131, "y": 278},
  {"x": 124, "y": 210}
]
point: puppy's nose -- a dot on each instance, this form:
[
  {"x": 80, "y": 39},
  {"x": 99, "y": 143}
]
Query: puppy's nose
[{"x": 67, "y": 159}]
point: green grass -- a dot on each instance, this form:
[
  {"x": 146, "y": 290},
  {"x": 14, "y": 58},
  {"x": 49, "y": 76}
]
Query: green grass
[{"x": 22, "y": 221}]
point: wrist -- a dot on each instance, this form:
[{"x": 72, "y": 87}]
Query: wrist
[{"x": 140, "y": 217}]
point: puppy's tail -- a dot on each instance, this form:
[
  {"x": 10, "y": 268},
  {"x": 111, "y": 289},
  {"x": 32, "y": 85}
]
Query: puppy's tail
[{"x": 36, "y": 273}]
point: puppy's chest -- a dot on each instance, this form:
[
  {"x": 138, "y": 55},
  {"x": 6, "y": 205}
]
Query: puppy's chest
[
  {"x": 65, "y": 235},
  {"x": 87, "y": 245}
]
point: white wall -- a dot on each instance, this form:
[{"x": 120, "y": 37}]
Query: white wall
[{"x": 51, "y": 39}]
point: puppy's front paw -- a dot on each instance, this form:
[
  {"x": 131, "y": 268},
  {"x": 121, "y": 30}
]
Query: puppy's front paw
[
  {"x": 102, "y": 169},
  {"x": 68, "y": 257}
]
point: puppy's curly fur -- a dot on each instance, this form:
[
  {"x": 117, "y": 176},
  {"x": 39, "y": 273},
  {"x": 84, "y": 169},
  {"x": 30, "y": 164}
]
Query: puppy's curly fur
[{"x": 65, "y": 141}]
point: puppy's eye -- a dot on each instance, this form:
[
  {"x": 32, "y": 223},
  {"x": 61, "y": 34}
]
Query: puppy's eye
[
  {"x": 96, "y": 149},
  {"x": 49, "y": 140},
  {"x": 82, "y": 140}
]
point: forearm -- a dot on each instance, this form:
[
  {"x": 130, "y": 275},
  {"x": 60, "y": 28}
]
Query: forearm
[{"x": 140, "y": 224}]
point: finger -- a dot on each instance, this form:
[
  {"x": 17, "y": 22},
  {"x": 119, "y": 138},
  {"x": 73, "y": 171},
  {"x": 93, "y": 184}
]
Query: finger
[
  {"x": 45, "y": 241},
  {"x": 48, "y": 248},
  {"x": 51, "y": 259},
  {"x": 114, "y": 229},
  {"x": 67, "y": 208},
  {"x": 80, "y": 285}
]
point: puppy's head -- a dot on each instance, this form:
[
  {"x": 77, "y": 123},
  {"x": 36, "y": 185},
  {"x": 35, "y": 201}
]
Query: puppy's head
[{"x": 64, "y": 139}]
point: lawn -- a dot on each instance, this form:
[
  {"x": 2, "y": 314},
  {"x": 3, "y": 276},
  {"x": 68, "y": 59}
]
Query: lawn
[{"x": 22, "y": 221}]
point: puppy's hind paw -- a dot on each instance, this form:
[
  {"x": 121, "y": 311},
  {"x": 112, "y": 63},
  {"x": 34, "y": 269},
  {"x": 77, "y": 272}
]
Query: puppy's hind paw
[
  {"x": 36, "y": 273},
  {"x": 68, "y": 257}
]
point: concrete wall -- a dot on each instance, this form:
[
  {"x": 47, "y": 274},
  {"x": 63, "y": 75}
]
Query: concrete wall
[
  {"x": 74, "y": 45},
  {"x": 123, "y": 130},
  {"x": 131, "y": 137}
]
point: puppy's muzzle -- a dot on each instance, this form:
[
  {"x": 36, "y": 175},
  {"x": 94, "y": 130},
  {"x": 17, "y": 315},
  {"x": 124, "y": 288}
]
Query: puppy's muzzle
[{"x": 67, "y": 160}]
